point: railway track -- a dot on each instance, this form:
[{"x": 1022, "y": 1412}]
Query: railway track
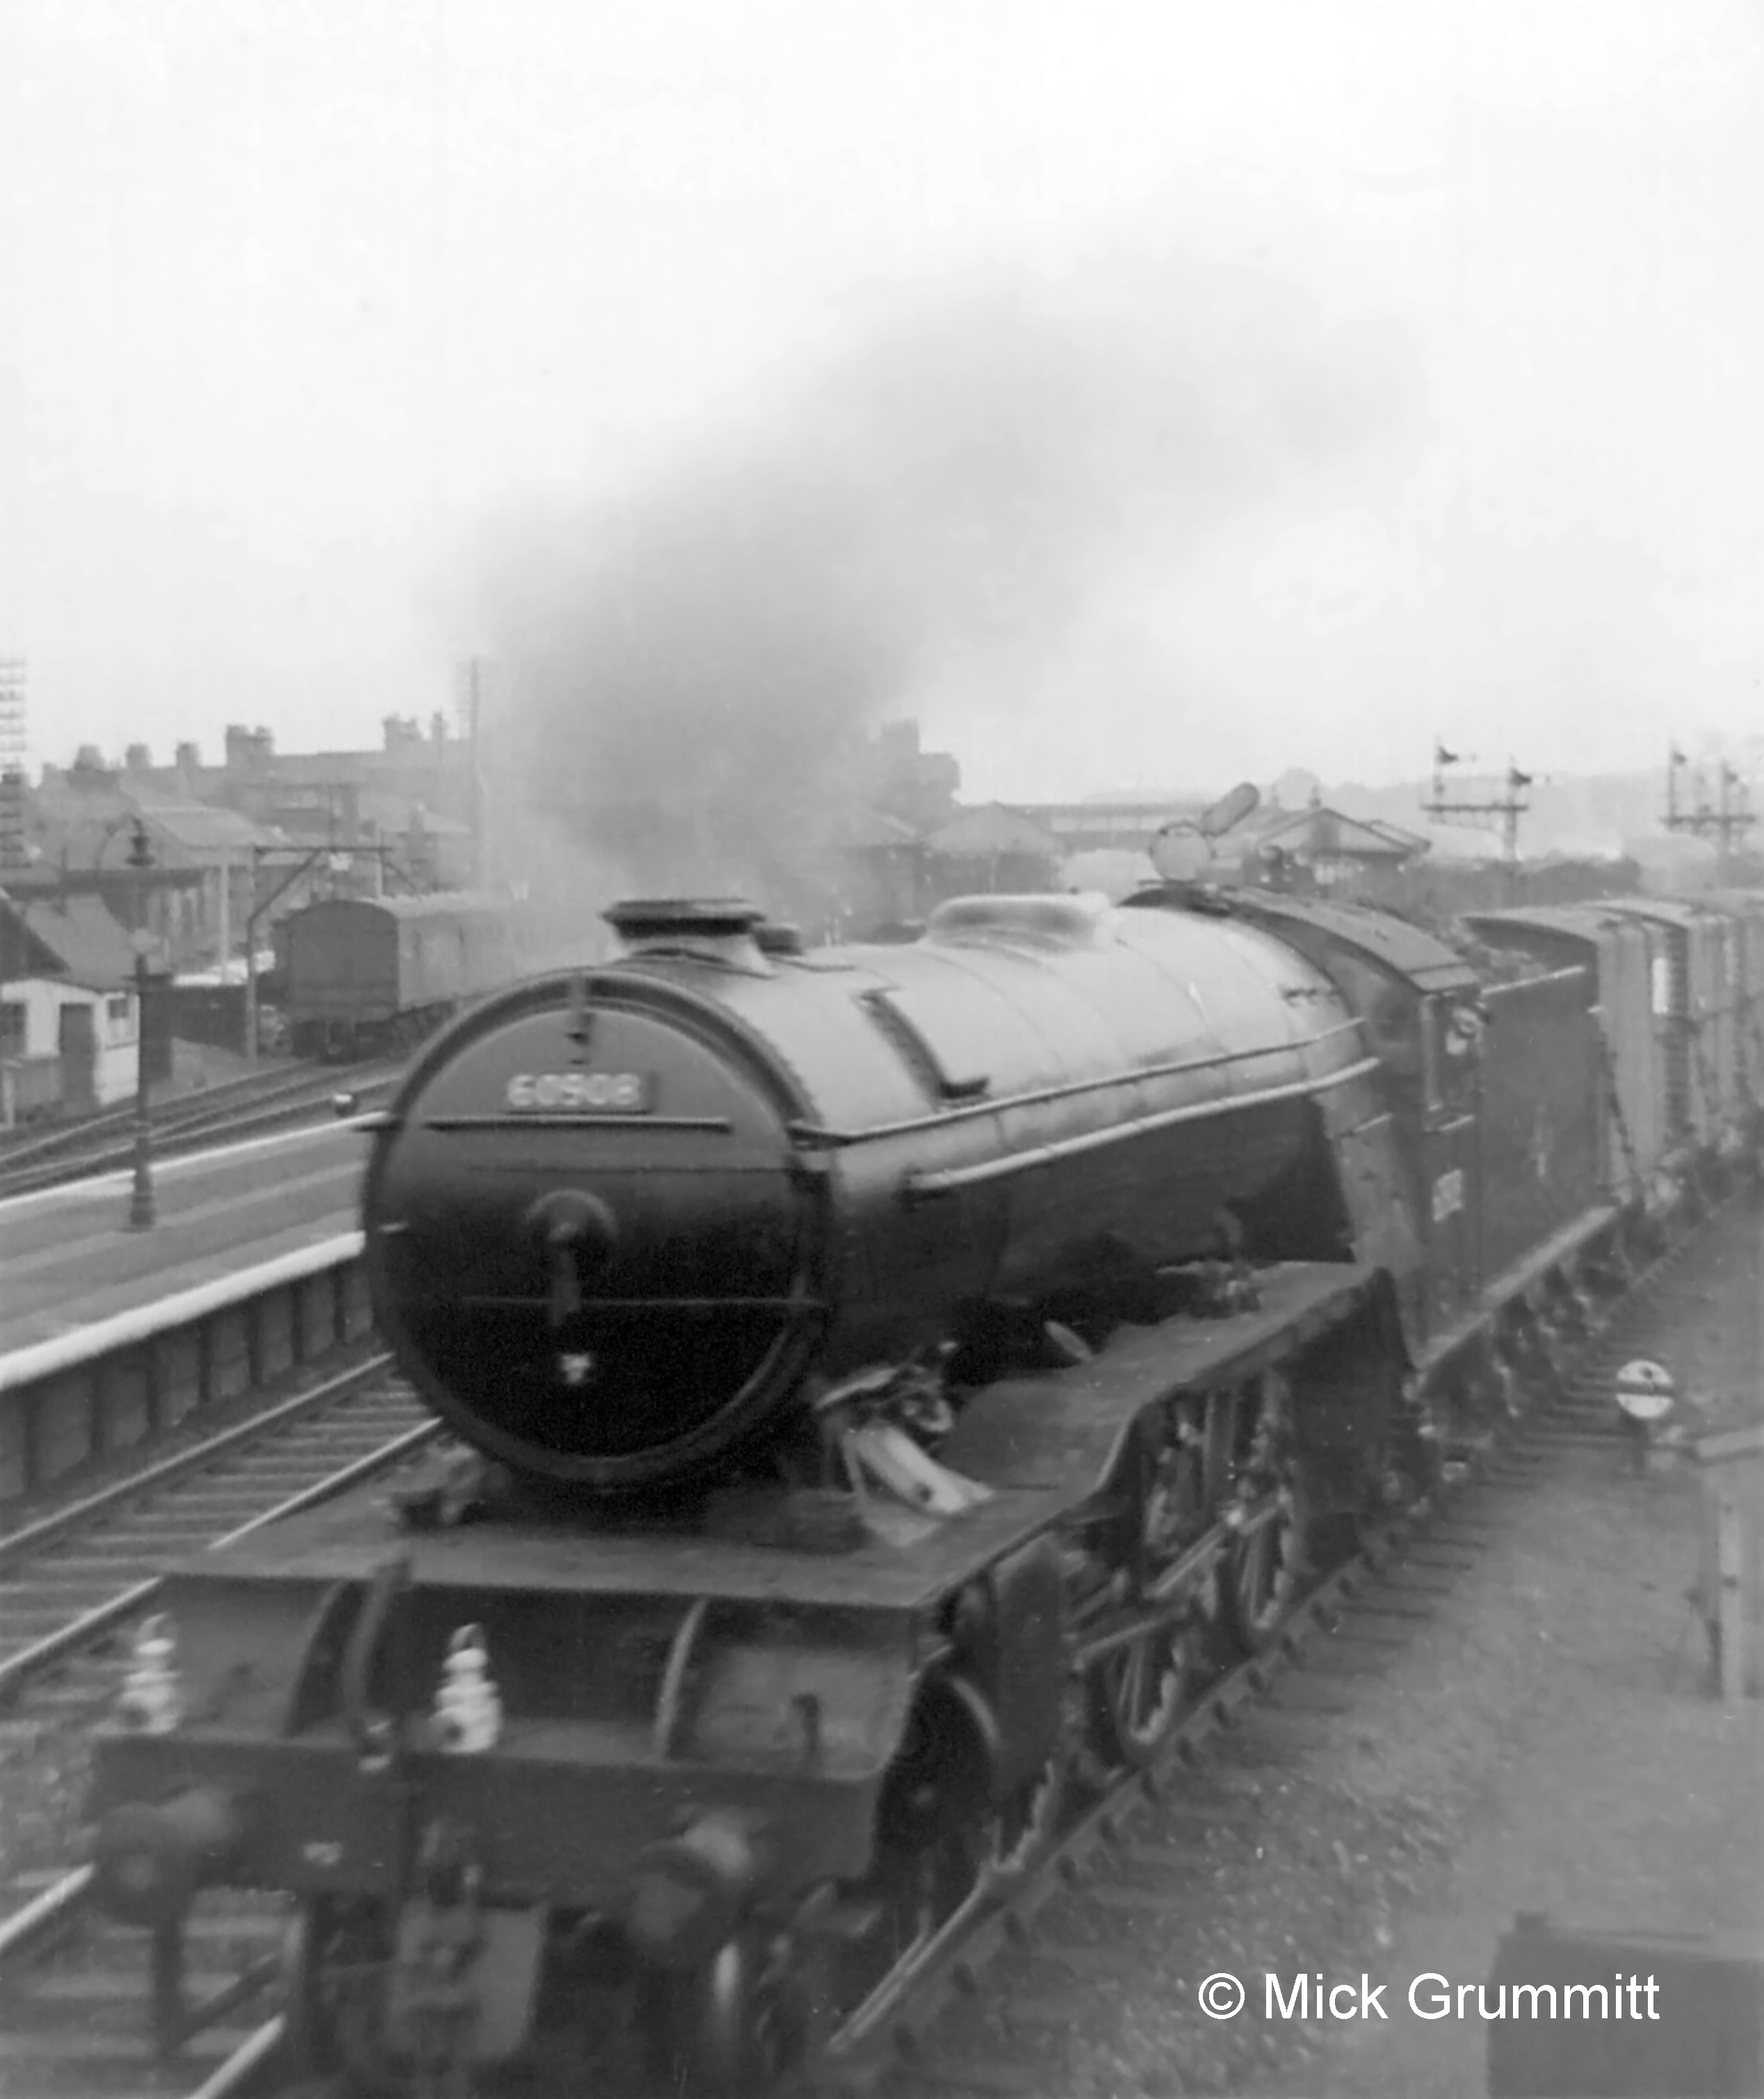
[
  {"x": 243, "y": 1107},
  {"x": 72, "y": 1584},
  {"x": 909, "y": 2024},
  {"x": 36, "y": 1145}
]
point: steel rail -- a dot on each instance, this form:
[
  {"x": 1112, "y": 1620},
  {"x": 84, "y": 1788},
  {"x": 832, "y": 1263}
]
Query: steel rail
[
  {"x": 58, "y": 1904},
  {"x": 100, "y": 1618},
  {"x": 236, "y": 2072},
  {"x": 47, "y": 1530},
  {"x": 176, "y": 1140},
  {"x": 63, "y": 1899},
  {"x": 246, "y": 1086}
]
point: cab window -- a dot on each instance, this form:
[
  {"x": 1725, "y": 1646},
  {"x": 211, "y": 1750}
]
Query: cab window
[{"x": 1453, "y": 1035}]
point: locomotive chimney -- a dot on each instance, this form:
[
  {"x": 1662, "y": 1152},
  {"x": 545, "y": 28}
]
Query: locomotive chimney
[{"x": 720, "y": 929}]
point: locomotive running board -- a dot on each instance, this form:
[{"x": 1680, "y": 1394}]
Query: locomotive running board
[{"x": 1062, "y": 1430}]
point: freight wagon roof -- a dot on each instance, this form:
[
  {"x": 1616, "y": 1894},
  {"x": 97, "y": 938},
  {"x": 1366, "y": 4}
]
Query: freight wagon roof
[
  {"x": 1743, "y": 903},
  {"x": 442, "y": 904},
  {"x": 1409, "y": 951},
  {"x": 1569, "y": 921},
  {"x": 1662, "y": 910}
]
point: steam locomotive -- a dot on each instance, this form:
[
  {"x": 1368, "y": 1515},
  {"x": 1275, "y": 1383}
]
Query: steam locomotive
[{"x": 887, "y": 1379}]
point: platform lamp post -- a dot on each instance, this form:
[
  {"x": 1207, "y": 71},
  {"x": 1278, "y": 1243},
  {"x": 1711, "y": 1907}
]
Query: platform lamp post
[{"x": 142, "y": 1210}]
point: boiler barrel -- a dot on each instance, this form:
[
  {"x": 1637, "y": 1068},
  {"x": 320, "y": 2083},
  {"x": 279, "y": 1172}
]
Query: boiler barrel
[{"x": 616, "y": 1220}]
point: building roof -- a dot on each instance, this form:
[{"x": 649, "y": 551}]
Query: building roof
[
  {"x": 871, "y": 831},
  {"x": 361, "y": 768},
  {"x": 994, "y": 830},
  {"x": 431, "y": 903},
  {"x": 201, "y": 827},
  {"x": 1127, "y": 825},
  {"x": 447, "y": 904},
  {"x": 91, "y": 824},
  {"x": 320, "y": 768},
  {"x": 1411, "y": 841},
  {"x": 1326, "y": 833},
  {"x": 401, "y": 814},
  {"x": 85, "y": 944},
  {"x": 1116, "y": 870},
  {"x": 84, "y": 802}
]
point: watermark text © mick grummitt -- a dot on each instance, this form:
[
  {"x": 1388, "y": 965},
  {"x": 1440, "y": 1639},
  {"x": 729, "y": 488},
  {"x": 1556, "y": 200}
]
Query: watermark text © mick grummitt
[{"x": 1432, "y": 1996}]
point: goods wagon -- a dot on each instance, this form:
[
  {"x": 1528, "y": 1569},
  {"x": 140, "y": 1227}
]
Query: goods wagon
[
  {"x": 362, "y": 976},
  {"x": 1540, "y": 1128},
  {"x": 1745, "y": 908},
  {"x": 1617, "y": 953},
  {"x": 1695, "y": 993}
]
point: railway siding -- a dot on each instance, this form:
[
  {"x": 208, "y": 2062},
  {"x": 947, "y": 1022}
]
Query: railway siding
[{"x": 191, "y": 1123}]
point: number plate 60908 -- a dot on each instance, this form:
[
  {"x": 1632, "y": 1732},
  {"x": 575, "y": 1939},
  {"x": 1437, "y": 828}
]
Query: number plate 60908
[{"x": 595, "y": 1092}]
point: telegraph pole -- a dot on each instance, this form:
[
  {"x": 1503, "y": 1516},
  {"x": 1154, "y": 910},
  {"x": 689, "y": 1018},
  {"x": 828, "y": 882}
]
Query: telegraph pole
[{"x": 1505, "y": 804}]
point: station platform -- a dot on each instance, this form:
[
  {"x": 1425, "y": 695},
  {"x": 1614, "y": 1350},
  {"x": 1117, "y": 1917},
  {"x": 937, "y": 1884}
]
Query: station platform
[{"x": 69, "y": 1259}]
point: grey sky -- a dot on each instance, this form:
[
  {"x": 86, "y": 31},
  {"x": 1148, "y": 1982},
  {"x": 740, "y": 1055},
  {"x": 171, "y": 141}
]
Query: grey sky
[{"x": 299, "y": 293}]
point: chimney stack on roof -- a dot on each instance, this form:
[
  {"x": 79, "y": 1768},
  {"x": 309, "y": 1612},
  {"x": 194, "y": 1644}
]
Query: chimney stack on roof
[{"x": 248, "y": 750}]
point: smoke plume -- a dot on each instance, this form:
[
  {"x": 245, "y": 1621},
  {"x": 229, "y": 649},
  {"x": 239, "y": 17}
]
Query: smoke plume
[{"x": 689, "y": 666}]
